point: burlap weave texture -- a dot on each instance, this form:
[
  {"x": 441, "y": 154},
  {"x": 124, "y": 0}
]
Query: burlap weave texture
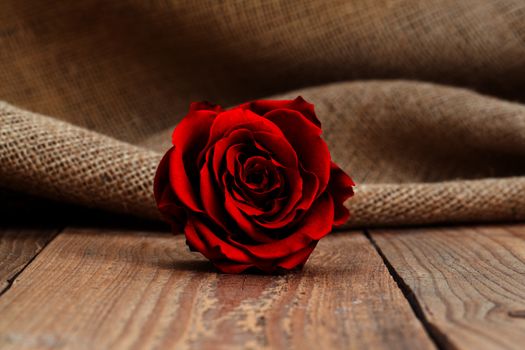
[{"x": 421, "y": 101}]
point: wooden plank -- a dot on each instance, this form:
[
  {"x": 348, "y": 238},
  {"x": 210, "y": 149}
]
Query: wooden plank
[
  {"x": 468, "y": 281},
  {"x": 96, "y": 290},
  {"x": 18, "y": 246}
]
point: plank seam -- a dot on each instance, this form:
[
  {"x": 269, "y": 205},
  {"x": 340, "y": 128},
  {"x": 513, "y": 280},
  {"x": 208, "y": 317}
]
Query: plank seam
[
  {"x": 11, "y": 280},
  {"x": 439, "y": 338}
]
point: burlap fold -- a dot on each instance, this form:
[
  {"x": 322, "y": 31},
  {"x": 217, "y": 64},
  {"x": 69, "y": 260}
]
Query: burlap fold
[
  {"x": 115, "y": 78},
  {"x": 414, "y": 133}
]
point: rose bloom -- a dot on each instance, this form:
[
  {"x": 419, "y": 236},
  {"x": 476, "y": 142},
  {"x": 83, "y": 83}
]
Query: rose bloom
[{"x": 253, "y": 186}]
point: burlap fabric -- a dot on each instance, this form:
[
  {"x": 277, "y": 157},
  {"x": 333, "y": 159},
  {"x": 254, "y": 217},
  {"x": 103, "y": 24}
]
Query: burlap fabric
[{"x": 114, "y": 78}]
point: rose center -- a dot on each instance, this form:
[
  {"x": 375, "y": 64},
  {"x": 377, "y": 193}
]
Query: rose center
[
  {"x": 257, "y": 173},
  {"x": 255, "y": 178}
]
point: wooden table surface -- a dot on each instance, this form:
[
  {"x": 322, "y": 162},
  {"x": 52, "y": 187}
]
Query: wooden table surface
[{"x": 140, "y": 288}]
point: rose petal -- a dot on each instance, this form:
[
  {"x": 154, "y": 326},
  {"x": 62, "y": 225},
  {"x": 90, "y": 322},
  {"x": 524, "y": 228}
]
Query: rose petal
[
  {"x": 171, "y": 209},
  {"x": 270, "y": 180},
  {"x": 262, "y": 107},
  {"x": 234, "y": 142},
  {"x": 280, "y": 219},
  {"x": 226, "y": 266},
  {"x": 167, "y": 203},
  {"x": 212, "y": 196},
  {"x": 309, "y": 194},
  {"x": 235, "y": 119},
  {"x": 341, "y": 188},
  {"x": 189, "y": 138},
  {"x": 233, "y": 158},
  {"x": 298, "y": 259},
  {"x": 305, "y": 139},
  {"x": 246, "y": 225},
  {"x": 278, "y": 147},
  {"x": 214, "y": 247},
  {"x": 195, "y": 242},
  {"x": 316, "y": 224}
]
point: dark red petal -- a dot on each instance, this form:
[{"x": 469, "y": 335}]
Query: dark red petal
[
  {"x": 246, "y": 226},
  {"x": 310, "y": 190},
  {"x": 341, "y": 188},
  {"x": 287, "y": 213},
  {"x": 205, "y": 106},
  {"x": 232, "y": 143},
  {"x": 277, "y": 206},
  {"x": 248, "y": 209},
  {"x": 167, "y": 203},
  {"x": 161, "y": 179},
  {"x": 279, "y": 147},
  {"x": 293, "y": 261},
  {"x": 211, "y": 195},
  {"x": 305, "y": 139},
  {"x": 231, "y": 267},
  {"x": 194, "y": 127},
  {"x": 262, "y": 107},
  {"x": 309, "y": 194},
  {"x": 195, "y": 242},
  {"x": 316, "y": 224},
  {"x": 189, "y": 138},
  {"x": 233, "y": 162},
  {"x": 295, "y": 183},
  {"x": 267, "y": 171},
  {"x": 317, "y": 220},
  {"x": 235, "y": 119},
  {"x": 171, "y": 209},
  {"x": 215, "y": 247},
  {"x": 298, "y": 259}
]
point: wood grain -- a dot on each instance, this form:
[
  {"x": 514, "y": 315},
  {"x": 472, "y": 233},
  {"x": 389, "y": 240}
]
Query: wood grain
[
  {"x": 18, "y": 246},
  {"x": 469, "y": 281},
  {"x": 140, "y": 290}
]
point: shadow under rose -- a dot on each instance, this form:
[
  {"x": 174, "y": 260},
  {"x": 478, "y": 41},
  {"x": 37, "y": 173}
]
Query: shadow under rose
[
  {"x": 191, "y": 265},
  {"x": 202, "y": 265}
]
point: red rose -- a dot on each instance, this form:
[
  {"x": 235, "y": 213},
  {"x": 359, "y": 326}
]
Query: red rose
[{"x": 252, "y": 186}]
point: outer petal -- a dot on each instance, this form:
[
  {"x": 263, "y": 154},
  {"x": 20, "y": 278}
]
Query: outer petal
[
  {"x": 315, "y": 225},
  {"x": 233, "y": 257},
  {"x": 297, "y": 259},
  {"x": 306, "y": 140},
  {"x": 168, "y": 205},
  {"x": 244, "y": 223},
  {"x": 195, "y": 241},
  {"x": 189, "y": 138},
  {"x": 212, "y": 246},
  {"x": 280, "y": 148},
  {"x": 205, "y": 106},
  {"x": 235, "y": 119},
  {"x": 341, "y": 188},
  {"x": 262, "y": 107}
]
